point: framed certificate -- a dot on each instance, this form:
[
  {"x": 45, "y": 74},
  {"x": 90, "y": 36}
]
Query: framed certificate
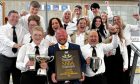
[{"x": 67, "y": 65}]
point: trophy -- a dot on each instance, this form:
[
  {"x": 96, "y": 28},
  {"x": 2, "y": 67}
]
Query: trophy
[
  {"x": 43, "y": 58},
  {"x": 32, "y": 58},
  {"x": 95, "y": 63}
]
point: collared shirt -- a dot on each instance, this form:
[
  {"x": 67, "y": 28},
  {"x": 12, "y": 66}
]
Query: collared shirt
[
  {"x": 106, "y": 31},
  {"x": 123, "y": 52},
  {"x": 27, "y": 38},
  {"x": 24, "y": 21},
  {"x": 6, "y": 39},
  {"x": 70, "y": 28},
  {"x": 25, "y": 51},
  {"x": 101, "y": 48},
  {"x": 52, "y": 39},
  {"x": 66, "y": 45},
  {"x": 127, "y": 32},
  {"x": 80, "y": 39}
]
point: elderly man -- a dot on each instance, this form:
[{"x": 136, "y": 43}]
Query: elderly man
[
  {"x": 61, "y": 37},
  {"x": 96, "y": 49}
]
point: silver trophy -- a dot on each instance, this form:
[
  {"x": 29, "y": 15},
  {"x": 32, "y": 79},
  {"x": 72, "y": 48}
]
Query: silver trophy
[
  {"x": 95, "y": 63},
  {"x": 42, "y": 58},
  {"x": 32, "y": 58}
]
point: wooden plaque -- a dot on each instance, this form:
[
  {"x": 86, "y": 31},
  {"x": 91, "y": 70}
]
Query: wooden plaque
[{"x": 67, "y": 65}]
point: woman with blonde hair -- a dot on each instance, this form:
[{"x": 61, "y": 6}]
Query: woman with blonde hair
[
  {"x": 127, "y": 29},
  {"x": 116, "y": 61}
]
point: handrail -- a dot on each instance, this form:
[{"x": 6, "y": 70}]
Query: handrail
[
  {"x": 134, "y": 64},
  {"x": 135, "y": 48}
]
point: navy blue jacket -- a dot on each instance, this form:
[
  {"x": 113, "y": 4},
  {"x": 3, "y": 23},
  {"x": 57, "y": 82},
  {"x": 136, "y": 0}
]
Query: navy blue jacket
[{"x": 53, "y": 48}]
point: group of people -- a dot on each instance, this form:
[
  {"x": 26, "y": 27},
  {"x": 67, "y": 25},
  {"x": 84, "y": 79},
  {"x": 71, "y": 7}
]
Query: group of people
[{"x": 91, "y": 36}]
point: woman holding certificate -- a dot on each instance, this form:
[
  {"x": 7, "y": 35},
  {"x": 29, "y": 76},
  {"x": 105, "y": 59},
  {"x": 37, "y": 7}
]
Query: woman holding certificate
[{"x": 26, "y": 59}]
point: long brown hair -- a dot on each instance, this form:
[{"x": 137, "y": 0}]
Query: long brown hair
[
  {"x": 121, "y": 26},
  {"x": 120, "y": 33}
]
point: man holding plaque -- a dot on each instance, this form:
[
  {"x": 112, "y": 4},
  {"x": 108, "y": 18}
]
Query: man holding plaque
[
  {"x": 62, "y": 45},
  {"x": 26, "y": 59},
  {"x": 93, "y": 53}
]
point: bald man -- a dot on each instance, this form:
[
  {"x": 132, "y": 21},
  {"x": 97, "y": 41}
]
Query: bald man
[
  {"x": 61, "y": 36},
  {"x": 96, "y": 49}
]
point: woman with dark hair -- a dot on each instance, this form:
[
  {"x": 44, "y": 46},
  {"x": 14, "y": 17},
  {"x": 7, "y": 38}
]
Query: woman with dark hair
[
  {"x": 52, "y": 27},
  {"x": 98, "y": 25},
  {"x": 54, "y": 24}
]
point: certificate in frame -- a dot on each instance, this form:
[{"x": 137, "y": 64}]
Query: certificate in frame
[{"x": 67, "y": 65}]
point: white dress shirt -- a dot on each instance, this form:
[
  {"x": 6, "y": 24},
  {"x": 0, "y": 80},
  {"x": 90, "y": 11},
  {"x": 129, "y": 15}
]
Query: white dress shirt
[
  {"x": 75, "y": 19},
  {"x": 24, "y": 21},
  {"x": 52, "y": 39},
  {"x": 123, "y": 52},
  {"x": 106, "y": 31},
  {"x": 127, "y": 32},
  {"x": 26, "y": 50},
  {"x": 6, "y": 39},
  {"x": 27, "y": 38},
  {"x": 80, "y": 39},
  {"x": 101, "y": 48},
  {"x": 70, "y": 28}
]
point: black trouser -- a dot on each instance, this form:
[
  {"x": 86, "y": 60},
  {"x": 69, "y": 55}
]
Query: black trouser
[
  {"x": 97, "y": 79},
  {"x": 127, "y": 72},
  {"x": 129, "y": 54},
  {"x": 7, "y": 68},
  {"x": 30, "y": 77}
]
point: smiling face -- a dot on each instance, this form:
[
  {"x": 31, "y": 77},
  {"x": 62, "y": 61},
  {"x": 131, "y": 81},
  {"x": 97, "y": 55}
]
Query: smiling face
[
  {"x": 55, "y": 24},
  {"x": 13, "y": 18},
  {"x": 95, "y": 11},
  {"x": 113, "y": 29},
  {"x": 67, "y": 17},
  {"x": 31, "y": 25},
  {"x": 37, "y": 35},
  {"x": 104, "y": 17},
  {"x": 117, "y": 20},
  {"x": 61, "y": 36},
  {"x": 98, "y": 22},
  {"x": 33, "y": 10},
  {"x": 78, "y": 11},
  {"x": 93, "y": 38},
  {"x": 81, "y": 25}
]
